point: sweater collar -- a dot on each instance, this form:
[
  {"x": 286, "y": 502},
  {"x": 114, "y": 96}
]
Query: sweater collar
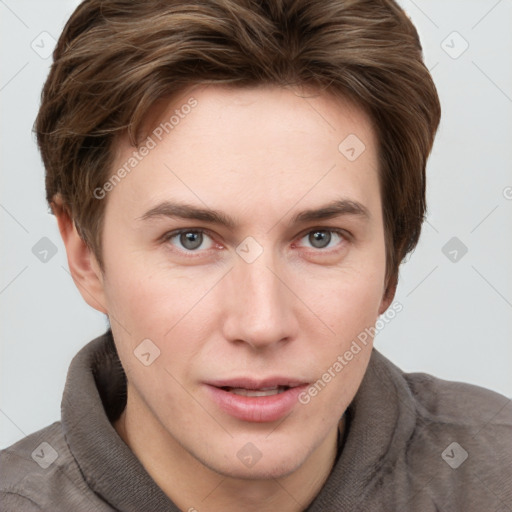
[
  {"x": 108, "y": 465},
  {"x": 380, "y": 419}
]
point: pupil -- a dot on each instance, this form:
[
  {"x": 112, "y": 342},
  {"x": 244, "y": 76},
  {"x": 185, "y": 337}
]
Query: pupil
[
  {"x": 191, "y": 239},
  {"x": 320, "y": 239}
]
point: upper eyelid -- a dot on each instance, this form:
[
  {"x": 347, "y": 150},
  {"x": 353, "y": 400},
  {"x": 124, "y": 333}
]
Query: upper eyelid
[
  {"x": 175, "y": 232},
  {"x": 338, "y": 231}
]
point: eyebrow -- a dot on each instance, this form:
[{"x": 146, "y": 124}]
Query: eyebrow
[{"x": 331, "y": 210}]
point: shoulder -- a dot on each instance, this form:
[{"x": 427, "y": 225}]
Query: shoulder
[
  {"x": 28, "y": 468},
  {"x": 461, "y": 406},
  {"x": 24, "y": 467},
  {"x": 14, "y": 502},
  {"x": 461, "y": 447},
  {"x": 31, "y": 454},
  {"x": 40, "y": 473}
]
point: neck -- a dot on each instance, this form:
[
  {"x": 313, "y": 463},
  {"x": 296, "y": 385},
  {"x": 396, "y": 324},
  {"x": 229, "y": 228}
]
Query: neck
[{"x": 194, "y": 487}]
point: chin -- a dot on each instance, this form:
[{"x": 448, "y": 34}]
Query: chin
[
  {"x": 269, "y": 463},
  {"x": 270, "y": 470}
]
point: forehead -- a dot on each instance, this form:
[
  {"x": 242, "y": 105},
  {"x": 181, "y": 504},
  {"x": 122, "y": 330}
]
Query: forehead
[
  {"x": 264, "y": 108},
  {"x": 221, "y": 144}
]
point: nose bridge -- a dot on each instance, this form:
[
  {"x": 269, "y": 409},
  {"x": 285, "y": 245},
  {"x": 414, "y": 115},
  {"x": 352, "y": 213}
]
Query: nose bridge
[{"x": 261, "y": 307}]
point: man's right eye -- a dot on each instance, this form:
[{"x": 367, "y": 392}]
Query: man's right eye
[{"x": 189, "y": 240}]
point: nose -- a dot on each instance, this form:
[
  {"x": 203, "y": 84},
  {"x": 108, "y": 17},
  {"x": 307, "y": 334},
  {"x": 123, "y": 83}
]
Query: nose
[{"x": 260, "y": 307}]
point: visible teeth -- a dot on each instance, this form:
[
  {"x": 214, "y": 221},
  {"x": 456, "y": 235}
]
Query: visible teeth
[{"x": 258, "y": 392}]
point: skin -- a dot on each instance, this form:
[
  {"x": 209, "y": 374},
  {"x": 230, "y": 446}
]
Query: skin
[{"x": 260, "y": 155}]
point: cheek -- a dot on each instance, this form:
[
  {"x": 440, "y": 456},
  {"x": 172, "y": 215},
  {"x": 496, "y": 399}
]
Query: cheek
[
  {"x": 135, "y": 296},
  {"x": 347, "y": 301},
  {"x": 340, "y": 358},
  {"x": 175, "y": 308},
  {"x": 348, "y": 304},
  {"x": 138, "y": 291}
]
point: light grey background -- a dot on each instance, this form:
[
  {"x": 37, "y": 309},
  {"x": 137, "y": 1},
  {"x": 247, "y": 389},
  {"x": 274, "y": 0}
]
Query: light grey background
[{"x": 456, "y": 321}]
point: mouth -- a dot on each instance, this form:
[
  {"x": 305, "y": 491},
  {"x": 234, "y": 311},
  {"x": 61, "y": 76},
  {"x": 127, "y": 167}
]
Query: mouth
[
  {"x": 270, "y": 391},
  {"x": 256, "y": 401}
]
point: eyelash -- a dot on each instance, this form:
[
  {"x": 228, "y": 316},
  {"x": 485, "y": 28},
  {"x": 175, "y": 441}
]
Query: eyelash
[{"x": 190, "y": 253}]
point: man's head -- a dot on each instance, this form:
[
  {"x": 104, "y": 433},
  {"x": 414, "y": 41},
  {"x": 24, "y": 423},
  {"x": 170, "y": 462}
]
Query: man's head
[
  {"x": 245, "y": 179},
  {"x": 115, "y": 58}
]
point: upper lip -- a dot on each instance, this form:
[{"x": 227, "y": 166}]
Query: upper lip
[{"x": 250, "y": 383}]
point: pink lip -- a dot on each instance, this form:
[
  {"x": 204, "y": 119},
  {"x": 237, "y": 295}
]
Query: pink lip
[{"x": 259, "y": 409}]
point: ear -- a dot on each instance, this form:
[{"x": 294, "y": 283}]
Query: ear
[
  {"x": 84, "y": 268},
  {"x": 389, "y": 294}
]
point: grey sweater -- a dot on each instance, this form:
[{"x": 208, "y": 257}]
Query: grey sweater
[{"x": 412, "y": 443}]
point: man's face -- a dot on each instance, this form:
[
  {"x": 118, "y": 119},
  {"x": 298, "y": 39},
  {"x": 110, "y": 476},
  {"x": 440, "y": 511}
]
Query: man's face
[{"x": 246, "y": 315}]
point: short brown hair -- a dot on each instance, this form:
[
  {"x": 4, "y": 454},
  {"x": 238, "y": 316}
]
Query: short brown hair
[{"x": 116, "y": 58}]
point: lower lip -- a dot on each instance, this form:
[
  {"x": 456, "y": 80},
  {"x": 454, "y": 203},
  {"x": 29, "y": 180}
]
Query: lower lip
[{"x": 257, "y": 409}]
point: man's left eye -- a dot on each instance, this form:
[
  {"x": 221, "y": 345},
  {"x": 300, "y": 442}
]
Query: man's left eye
[{"x": 322, "y": 238}]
